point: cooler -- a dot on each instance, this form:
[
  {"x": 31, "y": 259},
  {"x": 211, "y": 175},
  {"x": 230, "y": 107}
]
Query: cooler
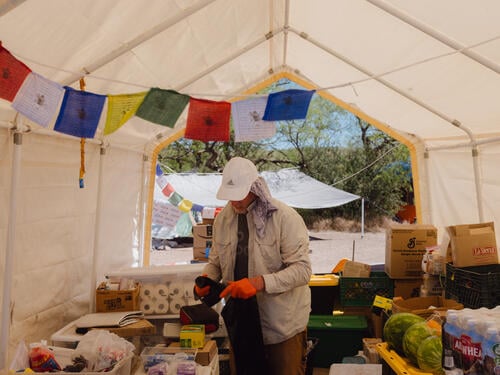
[{"x": 338, "y": 337}]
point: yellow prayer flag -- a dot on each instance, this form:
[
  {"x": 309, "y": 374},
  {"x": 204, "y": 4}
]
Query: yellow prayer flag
[{"x": 120, "y": 109}]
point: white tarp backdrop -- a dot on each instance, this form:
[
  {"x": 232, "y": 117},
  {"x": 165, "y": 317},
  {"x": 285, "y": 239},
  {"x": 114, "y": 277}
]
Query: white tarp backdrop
[
  {"x": 426, "y": 72},
  {"x": 288, "y": 185}
]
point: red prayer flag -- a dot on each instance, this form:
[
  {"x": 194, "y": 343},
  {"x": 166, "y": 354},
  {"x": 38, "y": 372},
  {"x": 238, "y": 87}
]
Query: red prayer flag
[
  {"x": 208, "y": 120},
  {"x": 12, "y": 74}
]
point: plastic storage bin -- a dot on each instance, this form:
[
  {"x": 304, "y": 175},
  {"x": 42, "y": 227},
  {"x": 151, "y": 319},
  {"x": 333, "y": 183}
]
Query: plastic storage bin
[
  {"x": 338, "y": 337},
  {"x": 360, "y": 291},
  {"x": 63, "y": 357},
  {"x": 474, "y": 287},
  {"x": 324, "y": 292}
]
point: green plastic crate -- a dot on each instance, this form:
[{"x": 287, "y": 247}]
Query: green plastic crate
[
  {"x": 360, "y": 291},
  {"x": 338, "y": 337}
]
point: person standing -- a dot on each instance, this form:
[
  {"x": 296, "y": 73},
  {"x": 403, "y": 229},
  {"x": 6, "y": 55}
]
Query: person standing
[{"x": 260, "y": 250}]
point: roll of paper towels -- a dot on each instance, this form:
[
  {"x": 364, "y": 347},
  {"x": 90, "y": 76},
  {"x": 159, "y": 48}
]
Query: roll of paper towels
[
  {"x": 147, "y": 290},
  {"x": 176, "y": 289},
  {"x": 147, "y": 306},
  {"x": 160, "y": 291},
  {"x": 176, "y": 304}
]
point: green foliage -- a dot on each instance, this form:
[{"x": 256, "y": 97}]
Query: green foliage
[{"x": 331, "y": 145}]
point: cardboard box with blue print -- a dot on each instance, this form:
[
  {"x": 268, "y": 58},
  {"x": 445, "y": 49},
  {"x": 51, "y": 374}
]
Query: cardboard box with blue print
[
  {"x": 473, "y": 244},
  {"x": 202, "y": 235}
]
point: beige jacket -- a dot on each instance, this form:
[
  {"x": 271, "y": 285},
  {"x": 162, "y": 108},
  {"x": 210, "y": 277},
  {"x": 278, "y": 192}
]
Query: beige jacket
[{"x": 281, "y": 257}]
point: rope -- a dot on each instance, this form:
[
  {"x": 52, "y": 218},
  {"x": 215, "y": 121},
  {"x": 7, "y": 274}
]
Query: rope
[{"x": 82, "y": 148}]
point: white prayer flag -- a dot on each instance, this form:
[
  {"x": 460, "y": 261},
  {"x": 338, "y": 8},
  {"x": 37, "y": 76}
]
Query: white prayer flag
[
  {"x": 247, "y": 120},
  {"x": 165, "y": 214},
  {"x": 39, "y": 99}
]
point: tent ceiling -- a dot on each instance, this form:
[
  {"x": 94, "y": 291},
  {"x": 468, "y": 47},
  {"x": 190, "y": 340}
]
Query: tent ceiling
[{"x": 413, "y": 67}]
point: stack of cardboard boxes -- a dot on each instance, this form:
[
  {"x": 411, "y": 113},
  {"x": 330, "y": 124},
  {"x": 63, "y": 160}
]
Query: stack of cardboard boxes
[
  {"x": 417, "y": 264},
  {"x": 202, "y": 241}
]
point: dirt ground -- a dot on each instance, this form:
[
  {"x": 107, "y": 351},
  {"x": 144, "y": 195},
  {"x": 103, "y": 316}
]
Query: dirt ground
[{"x": 327, "y": 248}]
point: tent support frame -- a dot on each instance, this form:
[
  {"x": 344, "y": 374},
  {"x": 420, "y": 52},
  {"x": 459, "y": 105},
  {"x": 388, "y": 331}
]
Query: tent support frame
[{"x": 9, "y": 252}]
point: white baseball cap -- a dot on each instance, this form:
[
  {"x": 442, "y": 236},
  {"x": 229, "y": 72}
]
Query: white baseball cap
[{"x": 237, "y": 178}]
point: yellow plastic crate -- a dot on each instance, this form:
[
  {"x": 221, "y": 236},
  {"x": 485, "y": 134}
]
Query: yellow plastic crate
[{"x": 400, "y": 365}]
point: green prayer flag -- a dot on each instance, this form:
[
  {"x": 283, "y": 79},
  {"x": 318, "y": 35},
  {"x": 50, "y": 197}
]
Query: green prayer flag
[{"x": 162, "y": 106}]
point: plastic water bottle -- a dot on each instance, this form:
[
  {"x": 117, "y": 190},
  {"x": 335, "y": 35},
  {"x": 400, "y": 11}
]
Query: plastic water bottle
[
  {"x": 491, "y": 351},
  {"x": 471, "y": 348},
  {"x": 451, "y": 338}
]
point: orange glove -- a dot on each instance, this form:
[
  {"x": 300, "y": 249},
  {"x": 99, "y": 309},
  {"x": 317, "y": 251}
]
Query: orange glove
[
  {"x": 202, "y": 292},
  {"x": 243, "y": 288}
]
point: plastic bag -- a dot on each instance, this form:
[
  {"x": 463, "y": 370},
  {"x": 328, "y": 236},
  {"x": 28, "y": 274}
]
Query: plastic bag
[
  {"x": 42, "y": 359},
  {"x": 21, "y": 358},
  {"x": 102, "y": 349}
]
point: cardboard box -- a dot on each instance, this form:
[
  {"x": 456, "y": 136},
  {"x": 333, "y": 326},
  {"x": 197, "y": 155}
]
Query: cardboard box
[
  {"x": 370, "y": 349},
  {"x": 203, "y": 356},
  {"x": 201, "y": 252},
  {"x": 473, "y": 244},
  {"x": 356, "y": 269},
  {"x": 425, "y": 306},
  {"x": 192, "y": 336},
  {"x": 405, "y": 248},
  {"x": 107, "y": 300},
  {"x": 202, "y": 236},
  {"x": 407, "y": 288},
  {"x": 142, "y": 327}
]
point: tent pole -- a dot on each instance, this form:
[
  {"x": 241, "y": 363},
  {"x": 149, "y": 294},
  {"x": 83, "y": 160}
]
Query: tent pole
[
  {"x": 9, "y": 252},
  {"x": 143, "y": 247},
  {"x": 97, "y": 232},
  {"x": 362, "y": 217}
]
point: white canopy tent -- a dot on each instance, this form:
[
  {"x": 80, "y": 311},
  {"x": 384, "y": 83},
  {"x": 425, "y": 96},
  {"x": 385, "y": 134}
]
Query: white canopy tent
[
  {"x": 425, "y": 72},
  {"x": 288, "y": 185}
]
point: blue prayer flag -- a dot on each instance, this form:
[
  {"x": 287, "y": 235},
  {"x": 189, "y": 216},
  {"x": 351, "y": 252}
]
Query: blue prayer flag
[
  {"x": 80, "y": 113},
  {"x": 287, "y": 105}
]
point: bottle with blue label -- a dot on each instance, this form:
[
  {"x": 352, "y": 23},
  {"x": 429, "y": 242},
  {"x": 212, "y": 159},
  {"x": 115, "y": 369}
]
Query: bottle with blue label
[{"x": 491, "y": 351}]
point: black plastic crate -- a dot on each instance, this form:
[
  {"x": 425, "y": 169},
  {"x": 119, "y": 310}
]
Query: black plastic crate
[
  {"x": 361, "y": 291},
  {"x": 474, "y": 287}
]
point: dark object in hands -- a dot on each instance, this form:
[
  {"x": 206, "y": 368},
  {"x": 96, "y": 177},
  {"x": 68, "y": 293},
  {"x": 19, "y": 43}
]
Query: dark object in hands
[{"x": 215, "y": 289}]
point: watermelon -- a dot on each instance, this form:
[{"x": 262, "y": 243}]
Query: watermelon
[
  {"x": 395, "y": 328},
  {"x": 413, "y": 337},
  {"x": 429, "y": 355}
]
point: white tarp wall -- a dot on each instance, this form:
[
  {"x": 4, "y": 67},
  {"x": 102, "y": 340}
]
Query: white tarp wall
[{"x": 57, "y": 227}]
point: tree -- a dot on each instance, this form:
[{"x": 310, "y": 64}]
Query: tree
[{"x": 331, "y": 145}]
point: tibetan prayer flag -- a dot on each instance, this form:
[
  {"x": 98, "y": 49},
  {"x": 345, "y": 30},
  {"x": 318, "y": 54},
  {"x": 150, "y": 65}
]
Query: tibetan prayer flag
[
  {"x": 208, "y": 120},
  {"x": 162, "y": 107},
  {"x": 165, "y": 214},
  {"x": 12, "y": 74},
  {"x": 161, "y": 181},
  {"x": 168, "y": 190},
  {"x": 185, "y": 205},
  {"x": 175, "y": 198},
  {"x": 288, "y": 105},
  {"x": 120, "y": 109},
  {"x": 159, "y": 172},
  {"x": 197, "y": 207},
  {"x": 247, "y": 120},
  {"x": 80, "y": 113},
  {"x": 38, "y": 99}
]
